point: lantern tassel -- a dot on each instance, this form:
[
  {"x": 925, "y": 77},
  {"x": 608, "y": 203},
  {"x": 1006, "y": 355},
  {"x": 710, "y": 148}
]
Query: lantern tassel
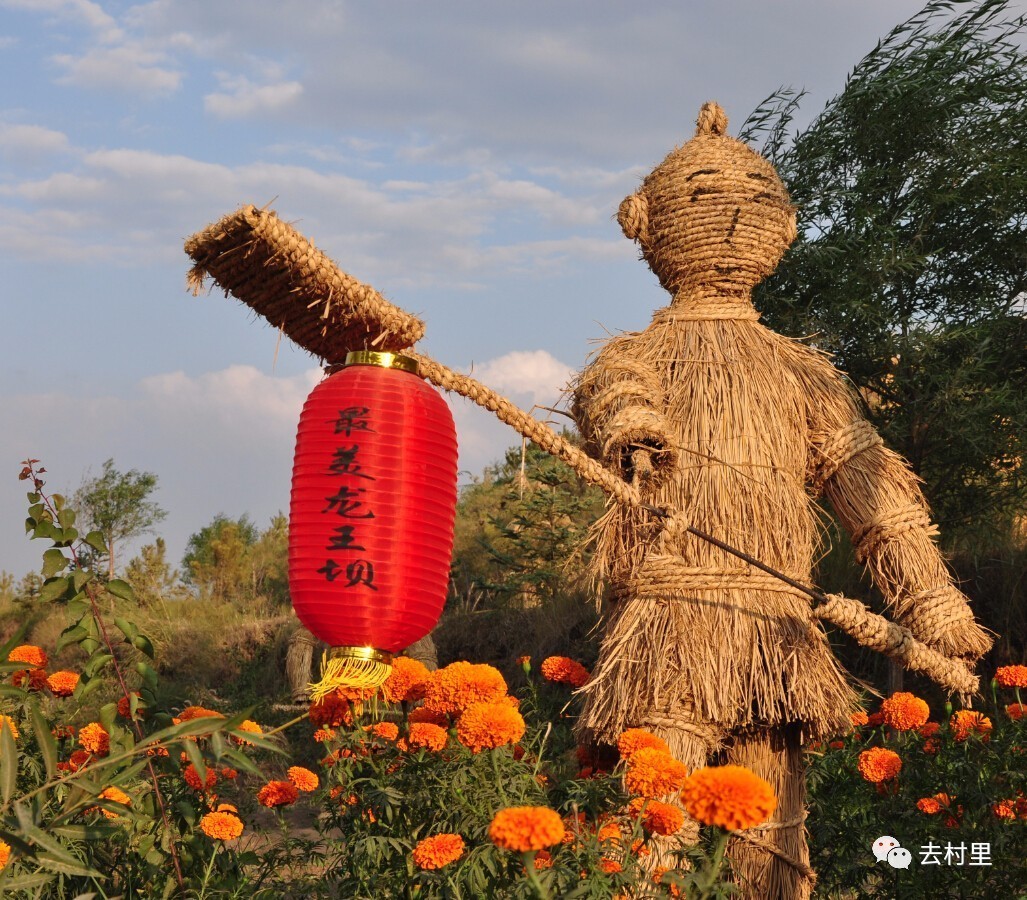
[{"x": 347, "y": 671}]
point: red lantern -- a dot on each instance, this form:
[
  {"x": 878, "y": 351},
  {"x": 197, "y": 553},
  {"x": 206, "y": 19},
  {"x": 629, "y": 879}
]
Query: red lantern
[{"x": 371, "y": 515}]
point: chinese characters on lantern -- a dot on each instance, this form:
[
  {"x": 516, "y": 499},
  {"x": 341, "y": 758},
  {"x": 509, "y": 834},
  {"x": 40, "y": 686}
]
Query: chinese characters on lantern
[{"x": 348, "y": 504}]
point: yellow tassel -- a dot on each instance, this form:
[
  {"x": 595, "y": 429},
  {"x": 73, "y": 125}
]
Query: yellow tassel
[{"x": 351, "y": 667}]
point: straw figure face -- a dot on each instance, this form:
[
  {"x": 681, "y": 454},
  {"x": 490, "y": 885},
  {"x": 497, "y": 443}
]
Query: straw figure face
[{"x": 713, "y": 217}]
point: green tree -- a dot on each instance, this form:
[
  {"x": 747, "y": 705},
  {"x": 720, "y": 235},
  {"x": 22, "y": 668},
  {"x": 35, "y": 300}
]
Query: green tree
[
  {"x": 516, "y": 529},
  {"x": 217, "y": 558},
  {"x": 152, "y": 578},
  {"x": 117, "y": 505},
  {"x": 911, "y": 265}
]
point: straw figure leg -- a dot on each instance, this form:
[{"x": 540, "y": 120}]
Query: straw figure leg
[
  {"x": 771, "y": 862},
  {"x": 299, "y": 657}
]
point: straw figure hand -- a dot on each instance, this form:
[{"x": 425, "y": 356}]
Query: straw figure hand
[{"x": 744, "y": 428}]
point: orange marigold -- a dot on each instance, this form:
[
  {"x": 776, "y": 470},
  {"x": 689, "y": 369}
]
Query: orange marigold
[
  {"x": 63, "y": 683},
  {"x": 657, "y": 817},
  {"x": 424, "y": 734},
  {"x": 636, "y": 738},
  {"x": 5, "y": 854},
  {"x": 249, "y": 727},
  {"x": 653, "y": 773},
  {"x": 730, "y": 797},
  {"x": 94, "y": 739},
  {"x": 30, "y": 679},
  {"x": 198, "y": 712},
  {"x": 1004, "y": 809},
  {"x": 459, "y": 685},
  {"x": 858, "y": 718},
  {"x": 904, "y": 711},
  {"x": 77, "y": 760},
  {"x": 564, "y": 670},
  {"x": 406, "y": 681},
  {"x": 1006, "y": 676},
  {"x": 928, "y": 729},
  {"x": 304, "y": 779},
  {"x": 928, "y": 805},
  {"x": 331, "y": 711},
  {"x": 438, "y": 850},
  {"x": 227, "y": 773},
  {"x": 277, "y": 793},
  {"x": 125, "y": 706},
  {"x": 878, "y": 764},
  {"x": 488, "y": 725},
  {"x": 610, "y": 866},
  {"x": 966, "y": 722},
  {"x": 1016, "y": 711},
  {"x": 875, "y": 719},
  {"x": 387, "y": 731},
  {"x": 526, "y": 828},
  {"x": 8, "y": 722},
  {"x": 543, "y": 859},
  {"x": 192, "y": 778},
  {"x": 115, "y": 795},
  {"x": 433, "y": 717},
  {"x": 29, "y": 654},
  {"x": 221, "y": 825},
  {"x": 324, "y": 735}
]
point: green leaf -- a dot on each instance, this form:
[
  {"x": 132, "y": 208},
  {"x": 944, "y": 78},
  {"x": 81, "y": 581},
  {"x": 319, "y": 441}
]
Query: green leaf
[
  {"x": 29, "y": 880},
  {"x": 127, "y": 628},
  {"x": 196, "y": 758},
  {"x": 66, "y": 518},
  {"x": 69, "y": 866},
  {"x": 78, "y": 608},
  {"x": 95, "y": 540},
  {"x": 58, "y": 501},
  {"x": 95, "y": 664},
  {"x": 81, "y": 578},
  {"x": 8, "y": 763},
  {"x": 148, "y": 674},
  {"x": 45, "y": 740},
  {"x": 55, "y": 588},
  {"x": 71, "y": 635},
  {"x": 142, "y": 643},
  {"x": 121, "y": 589},
  {"x": 34, "y": 497},
  {"x": 85, "y": 687},
  {"x": 53, "y": 561}
]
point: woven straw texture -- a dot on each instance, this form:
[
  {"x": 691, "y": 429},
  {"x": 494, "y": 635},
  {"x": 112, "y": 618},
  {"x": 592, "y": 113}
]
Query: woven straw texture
[{"x": 266, "y": 263}]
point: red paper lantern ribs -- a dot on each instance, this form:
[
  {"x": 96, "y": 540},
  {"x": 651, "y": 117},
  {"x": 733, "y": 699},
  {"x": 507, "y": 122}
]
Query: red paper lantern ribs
[{"x": 371, "y": 515}]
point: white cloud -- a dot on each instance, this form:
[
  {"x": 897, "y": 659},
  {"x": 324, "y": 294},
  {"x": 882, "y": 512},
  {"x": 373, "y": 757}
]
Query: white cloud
[
  {"x": 129, "y": 67},
  {"x": 84, "y": 11},
  {"x": 28, "y": 142},
  {"x": 240, "y": 97}
]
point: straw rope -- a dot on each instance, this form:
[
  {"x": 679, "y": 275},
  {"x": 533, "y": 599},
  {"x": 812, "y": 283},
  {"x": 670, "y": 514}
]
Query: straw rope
[
  {"x": 840, "y": 447},
  {"x": 889, "y": 525}
]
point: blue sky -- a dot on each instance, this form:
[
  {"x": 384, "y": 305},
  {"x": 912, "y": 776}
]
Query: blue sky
[{"x": 466, "y": 159}]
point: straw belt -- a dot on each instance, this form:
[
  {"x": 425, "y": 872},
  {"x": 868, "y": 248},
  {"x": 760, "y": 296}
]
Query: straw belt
[{"x": 663, "y": 576}]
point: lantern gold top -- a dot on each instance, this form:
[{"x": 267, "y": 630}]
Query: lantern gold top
[{"x": 378, "y": 358}]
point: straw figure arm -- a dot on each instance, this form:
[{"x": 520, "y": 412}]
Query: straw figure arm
[
  {"x": 618, "y": 405},
  {"x": 877, "y": 499}
]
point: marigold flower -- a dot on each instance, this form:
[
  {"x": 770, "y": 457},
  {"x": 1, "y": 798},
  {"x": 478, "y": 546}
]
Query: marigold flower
[
  {"x": 730, "y": 797},
  {"x": 63, "y": 731},
  {"x": 29, "y": 654},
  {"x": 1004, "y": 809},
  {"x": 63, "y": 683},
  {"x": 1016, "y": 711},
  {"x": 227, "y": 773},
  {"x": 878, "y": 764},
  {"x": 904, "y": 711},
  {"x": 610, "y": 866},
  {"x": 406, "y": 681},
  {"x": 95, "y": 739},
  {"x": 526, "y": 828},
  {"x": 459, "y": 685},
  {"x": 431, "y": 716},
  {"x": 125, "y": 706},
  {"x": 563, "y": 670},
  {"x": 277, "y": 793},
  {"x": 966, "y": 722},
  {"x": 387, "y": 731},
  {"x": 858, "y": 718},
  {"x": 30, "y": 679},
  {"x": 331, "y": 711},
  {"x": 653, "y": 773},
  {"x": 837, "y": 745},
  {"x": 1006, "y": 676},
  {"x": 928, "y": 729},
  {"x": 221, "y": 826},
  {"x": 609, "y": 833},
  {"x": 636, "y": 738},
  {"x": 543, "y": 859},
  {"x": 192, "y": 778},
  {"x": 438, "y": 850},
  {"x": 424, "y": 734},
  {"x": 875, "y": 719},
  {"x": 249, "y": 727},
  {"x": 657, "y": 817},
  {"x": 75, "y": 762},
  {"x": 226, "y": 807},
  {"x": 928, "y": 805},
  {"x": 198, "y": 712},
  {"x": 489, "y": 725},
  {"x": 115, "y": 795},
  {"x": 324, "y": 735},
  {"x": 9, "y": 723},
  {"x": 5, "y": 854},
  {"x": 304, "y": 779}
]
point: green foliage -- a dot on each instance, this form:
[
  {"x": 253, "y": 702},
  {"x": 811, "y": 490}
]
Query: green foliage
[
  {"x": 115, "y": 505},
  {"x": 516, "y": 529},
  {"x": 911, "y": 265}
]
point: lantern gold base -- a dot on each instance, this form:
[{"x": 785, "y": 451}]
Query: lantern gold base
[{"x": 351, "y": 667}]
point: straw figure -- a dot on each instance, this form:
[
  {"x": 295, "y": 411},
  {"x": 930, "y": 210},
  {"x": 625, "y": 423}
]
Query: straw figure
[{"x": 712, "y": 414}]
